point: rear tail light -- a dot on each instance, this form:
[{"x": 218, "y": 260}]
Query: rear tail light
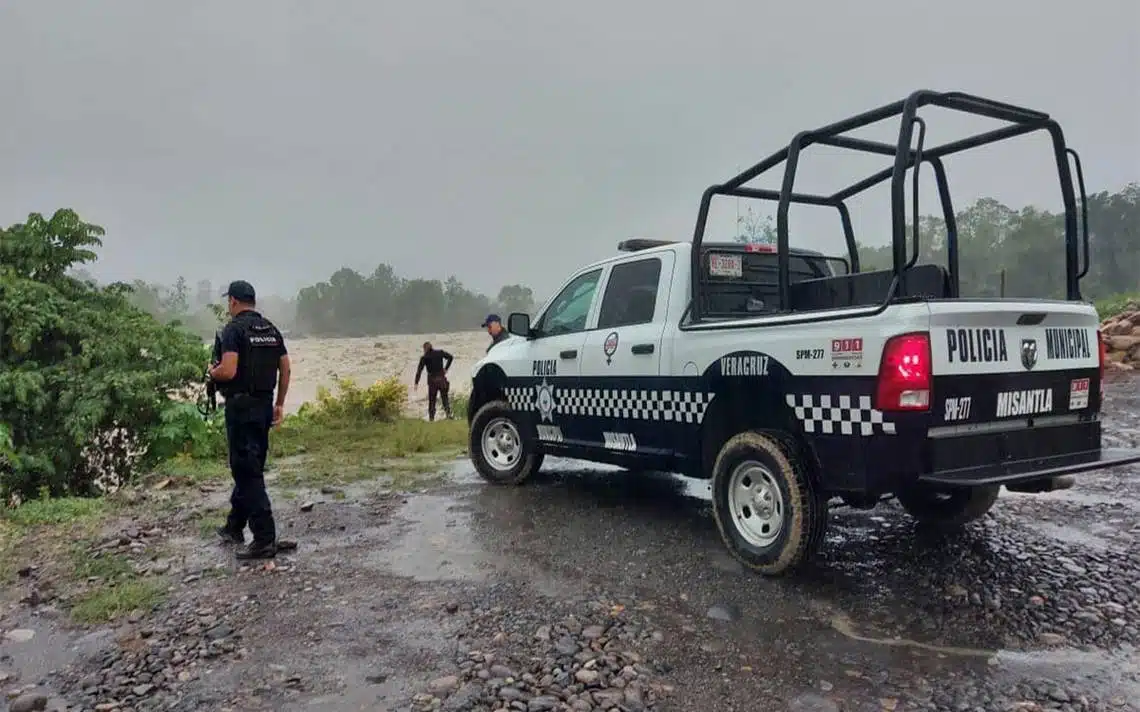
[
  {"x": 1102, "y": 351},
  {"x": 905, "y": 374}
]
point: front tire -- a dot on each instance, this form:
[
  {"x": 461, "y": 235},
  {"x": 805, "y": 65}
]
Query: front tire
[
  {"x": 770, "y": 513},
  {"x": 948, "y": 509},
  {"x": 499, "y": 449}
]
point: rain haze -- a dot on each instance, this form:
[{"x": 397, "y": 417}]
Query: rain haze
[{"x": 506, "y": 142}]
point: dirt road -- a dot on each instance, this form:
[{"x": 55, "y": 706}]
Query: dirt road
[{"x": 600, "y": 590}]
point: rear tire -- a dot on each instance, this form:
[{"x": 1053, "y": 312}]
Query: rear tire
[
  {"x": 770, "y": 513},
  {"x": 948, "y": 509},
  {"x": 500, "y": 449}
]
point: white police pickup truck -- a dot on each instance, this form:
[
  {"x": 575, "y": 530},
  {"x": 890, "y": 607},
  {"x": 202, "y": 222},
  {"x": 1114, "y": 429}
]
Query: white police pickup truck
[{"x": 789, "y": 382}]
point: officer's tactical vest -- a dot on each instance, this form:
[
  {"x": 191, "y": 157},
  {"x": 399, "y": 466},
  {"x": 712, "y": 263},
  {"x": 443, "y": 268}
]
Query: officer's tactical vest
[{"x": 259, "y": 354}]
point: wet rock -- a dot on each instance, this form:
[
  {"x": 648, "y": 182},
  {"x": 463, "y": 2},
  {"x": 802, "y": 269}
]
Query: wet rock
[
  {"x": 19, "y": 635},
  {"x": 511, "y": 694},
  {"x": 586, "y": 677},
  {"x": 608, "y": 698},
  {"x": 542, "y": 704},
  {"x": 1051, "y": 639},
  {"x": 502, "y": 672},
  {"x": 307, "y": 506},
  {"x": 724, "y": 612},
  {"x": 812, "y": 703},
  {"x": 444, "y": 684},
  {"x": 593, "y": 632},
  {"x": 28, "y": 702}
]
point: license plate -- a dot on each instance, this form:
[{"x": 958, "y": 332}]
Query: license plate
[{"x": 725, "y": 266}]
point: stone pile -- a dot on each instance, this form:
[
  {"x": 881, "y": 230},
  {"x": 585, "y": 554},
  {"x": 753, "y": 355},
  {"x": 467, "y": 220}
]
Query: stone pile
[{"x": 1122, "y": 339}]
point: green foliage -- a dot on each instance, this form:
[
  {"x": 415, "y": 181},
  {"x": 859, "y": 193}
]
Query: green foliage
[
  {"x": 173, "y": 305},
  {"x": 354, "y": 443},
  {"x": 105, "y": 604},
  {"x": 460, "y": 404},
  {"x": 755, "y": 228},
  {"x": 85, "y": 376},
  {"x": 183, "y": 431},
  {"x": 1117, "y": 304},
  {"x": 383, "y": 401},
  {"x": 350, "y": 304},
  {"x": 1022, "y": 253},
  {"x": 54, "y": 510}
]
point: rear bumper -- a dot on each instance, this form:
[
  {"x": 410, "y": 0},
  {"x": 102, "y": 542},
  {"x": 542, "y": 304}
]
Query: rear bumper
[{"x": 1014, "y": 471}]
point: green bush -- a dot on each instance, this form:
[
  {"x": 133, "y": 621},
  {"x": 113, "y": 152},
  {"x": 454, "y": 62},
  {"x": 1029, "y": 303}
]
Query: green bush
[
  {"x": 1116, "y": 304},
  {"x": 86, "y": 379},
  {"x": 460, "y": 402},
  {"x": 383, "y": 401}
]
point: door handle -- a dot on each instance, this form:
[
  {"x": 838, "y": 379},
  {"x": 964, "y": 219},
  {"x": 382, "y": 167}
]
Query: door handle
[
  {"x": 641, "y": 349},
  {"x": 568, "y": 354}
]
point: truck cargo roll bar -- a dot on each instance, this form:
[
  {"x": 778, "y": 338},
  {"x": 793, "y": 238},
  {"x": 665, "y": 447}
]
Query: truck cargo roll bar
[{"x": 1021, "y": 121}]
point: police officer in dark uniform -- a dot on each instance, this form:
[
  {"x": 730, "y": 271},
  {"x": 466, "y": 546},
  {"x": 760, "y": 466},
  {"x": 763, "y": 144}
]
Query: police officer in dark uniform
[
  {"x": 494, "y": 326},
  {"x": 250, "y": 361}
]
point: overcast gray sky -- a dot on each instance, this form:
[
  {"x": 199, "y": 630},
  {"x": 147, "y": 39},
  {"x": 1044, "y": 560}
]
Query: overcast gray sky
[{"x": 504, "y": 141}]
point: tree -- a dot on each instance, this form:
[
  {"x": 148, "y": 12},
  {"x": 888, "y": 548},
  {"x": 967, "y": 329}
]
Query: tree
[
  {"x": 515, "y": 298},
  {"x": 85, "y": 375},
  {"x": 349, "y": 304},
  {"x": 1021, "y": 253},
  {"x": 755, "y": 228}
]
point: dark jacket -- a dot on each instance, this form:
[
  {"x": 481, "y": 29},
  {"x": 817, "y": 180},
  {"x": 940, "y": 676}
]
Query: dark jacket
[
  {"x": 436, "y": 361},
  {"x": 496, "y": 339}
]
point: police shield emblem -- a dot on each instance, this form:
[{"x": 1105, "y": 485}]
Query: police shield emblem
[{"x": 1028, "y": 353}]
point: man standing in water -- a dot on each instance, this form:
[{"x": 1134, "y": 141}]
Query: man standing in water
[{"x": 437, "y": 362}]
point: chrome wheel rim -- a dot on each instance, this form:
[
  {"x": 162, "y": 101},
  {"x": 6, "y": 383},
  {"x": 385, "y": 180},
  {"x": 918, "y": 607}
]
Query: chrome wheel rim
[
  {"x": 502, "y": 446},
  {"x": 756, "y": 503}
]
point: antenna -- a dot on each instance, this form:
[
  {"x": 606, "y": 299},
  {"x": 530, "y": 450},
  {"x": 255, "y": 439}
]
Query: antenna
[{"x": 738, "y": 207}]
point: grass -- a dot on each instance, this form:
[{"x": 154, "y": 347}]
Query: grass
[
  {"x": 1111, "y": 306},
  {"x": 193, "y": 470},
  {"x": 9, "y": 541},
  {"x": 105, "y": 604},
  {"x": 407, "y": 452},
  {"x": 117, "y": 590},
  {"x": 321, "y": 451},
  {"x": 55, "y": 510},
  {"x": 209, "y": 521},
  {"x": 348, "y": 437}
]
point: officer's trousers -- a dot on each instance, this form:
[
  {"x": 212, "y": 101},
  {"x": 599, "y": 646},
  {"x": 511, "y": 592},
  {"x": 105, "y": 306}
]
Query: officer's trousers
[{"x": 248, "y": 420}]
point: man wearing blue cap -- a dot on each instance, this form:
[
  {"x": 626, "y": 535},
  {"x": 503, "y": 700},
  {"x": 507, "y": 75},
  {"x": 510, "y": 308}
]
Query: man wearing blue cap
[
  {"x": 494, "y": 326},
  {"x": 251, "y": 361}
]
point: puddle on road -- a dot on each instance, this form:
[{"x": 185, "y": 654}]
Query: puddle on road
[
  {"x": 434, "y": 542},
  {"x": 463, "y": 473},
  {"x": 51, "y": 648}
]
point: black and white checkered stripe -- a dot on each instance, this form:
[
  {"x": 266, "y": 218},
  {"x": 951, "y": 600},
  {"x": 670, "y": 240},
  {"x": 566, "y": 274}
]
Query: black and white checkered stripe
[
  {"x": 625, "y": 403},
  {"x": 845, "y": 415}
]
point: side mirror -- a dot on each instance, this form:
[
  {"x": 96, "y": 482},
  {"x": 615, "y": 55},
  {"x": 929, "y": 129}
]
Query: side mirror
[{"x": 518, "y": 323}]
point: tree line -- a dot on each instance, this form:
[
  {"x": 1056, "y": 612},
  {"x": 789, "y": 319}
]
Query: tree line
[
  {"x": 1002, "y": 250},
  {"x": 350, "y": 304},
  {"x": 1018, "y": 253}
]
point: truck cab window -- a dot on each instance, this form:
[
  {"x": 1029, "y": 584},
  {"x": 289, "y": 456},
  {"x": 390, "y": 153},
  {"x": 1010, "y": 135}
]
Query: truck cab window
[
  {"x": 569, "y": 310},
  {"x": 631, "y": 294}
]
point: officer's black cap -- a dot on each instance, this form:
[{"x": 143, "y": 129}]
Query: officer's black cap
[{"x": 242, "y": 291}]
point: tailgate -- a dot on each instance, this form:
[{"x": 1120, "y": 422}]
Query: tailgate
[{"x": 1016, "y": 385}]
